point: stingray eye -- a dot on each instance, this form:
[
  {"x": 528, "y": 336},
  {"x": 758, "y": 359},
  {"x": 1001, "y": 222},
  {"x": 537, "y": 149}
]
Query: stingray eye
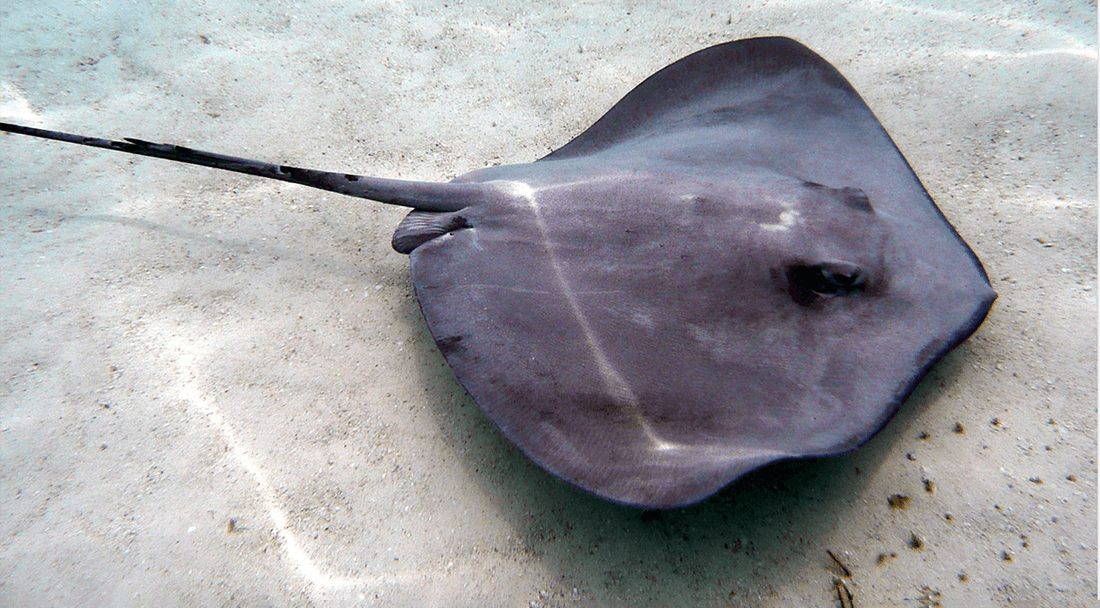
[
  {"x": 810, "y": 283},
  {"x": 840, "y": 277}
]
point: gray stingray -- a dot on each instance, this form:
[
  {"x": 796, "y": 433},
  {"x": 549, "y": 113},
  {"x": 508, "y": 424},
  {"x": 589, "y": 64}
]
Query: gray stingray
[{"x": 735, "y": 265}]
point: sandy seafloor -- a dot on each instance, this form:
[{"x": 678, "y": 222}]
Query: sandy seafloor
[{"x": 219, "y": 391}]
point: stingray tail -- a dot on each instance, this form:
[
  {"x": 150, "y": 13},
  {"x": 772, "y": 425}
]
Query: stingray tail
[{"x": 425, "y": 196}]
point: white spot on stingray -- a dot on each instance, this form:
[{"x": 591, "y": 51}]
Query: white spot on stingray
[
  {"x": 663, "y": 446},
  {"x": 787, "y": 218},
  {"x": 644, "y": 320},
  {"x": 520, "y": 189}
]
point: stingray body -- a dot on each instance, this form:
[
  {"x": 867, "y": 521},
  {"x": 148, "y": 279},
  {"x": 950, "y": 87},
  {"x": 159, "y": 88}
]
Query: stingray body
[{"x": 735, "y": 265}]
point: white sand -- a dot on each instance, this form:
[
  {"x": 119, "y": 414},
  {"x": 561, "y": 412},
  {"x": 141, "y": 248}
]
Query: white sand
[{"x": 219, "y": 390}]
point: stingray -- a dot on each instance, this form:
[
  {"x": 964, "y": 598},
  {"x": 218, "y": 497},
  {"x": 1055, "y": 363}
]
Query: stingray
[{"x": 734, "y": 266}]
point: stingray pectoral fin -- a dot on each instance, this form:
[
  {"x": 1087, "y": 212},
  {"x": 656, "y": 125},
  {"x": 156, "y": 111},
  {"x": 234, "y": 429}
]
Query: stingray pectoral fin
[{"x": 427, "y": 196}]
